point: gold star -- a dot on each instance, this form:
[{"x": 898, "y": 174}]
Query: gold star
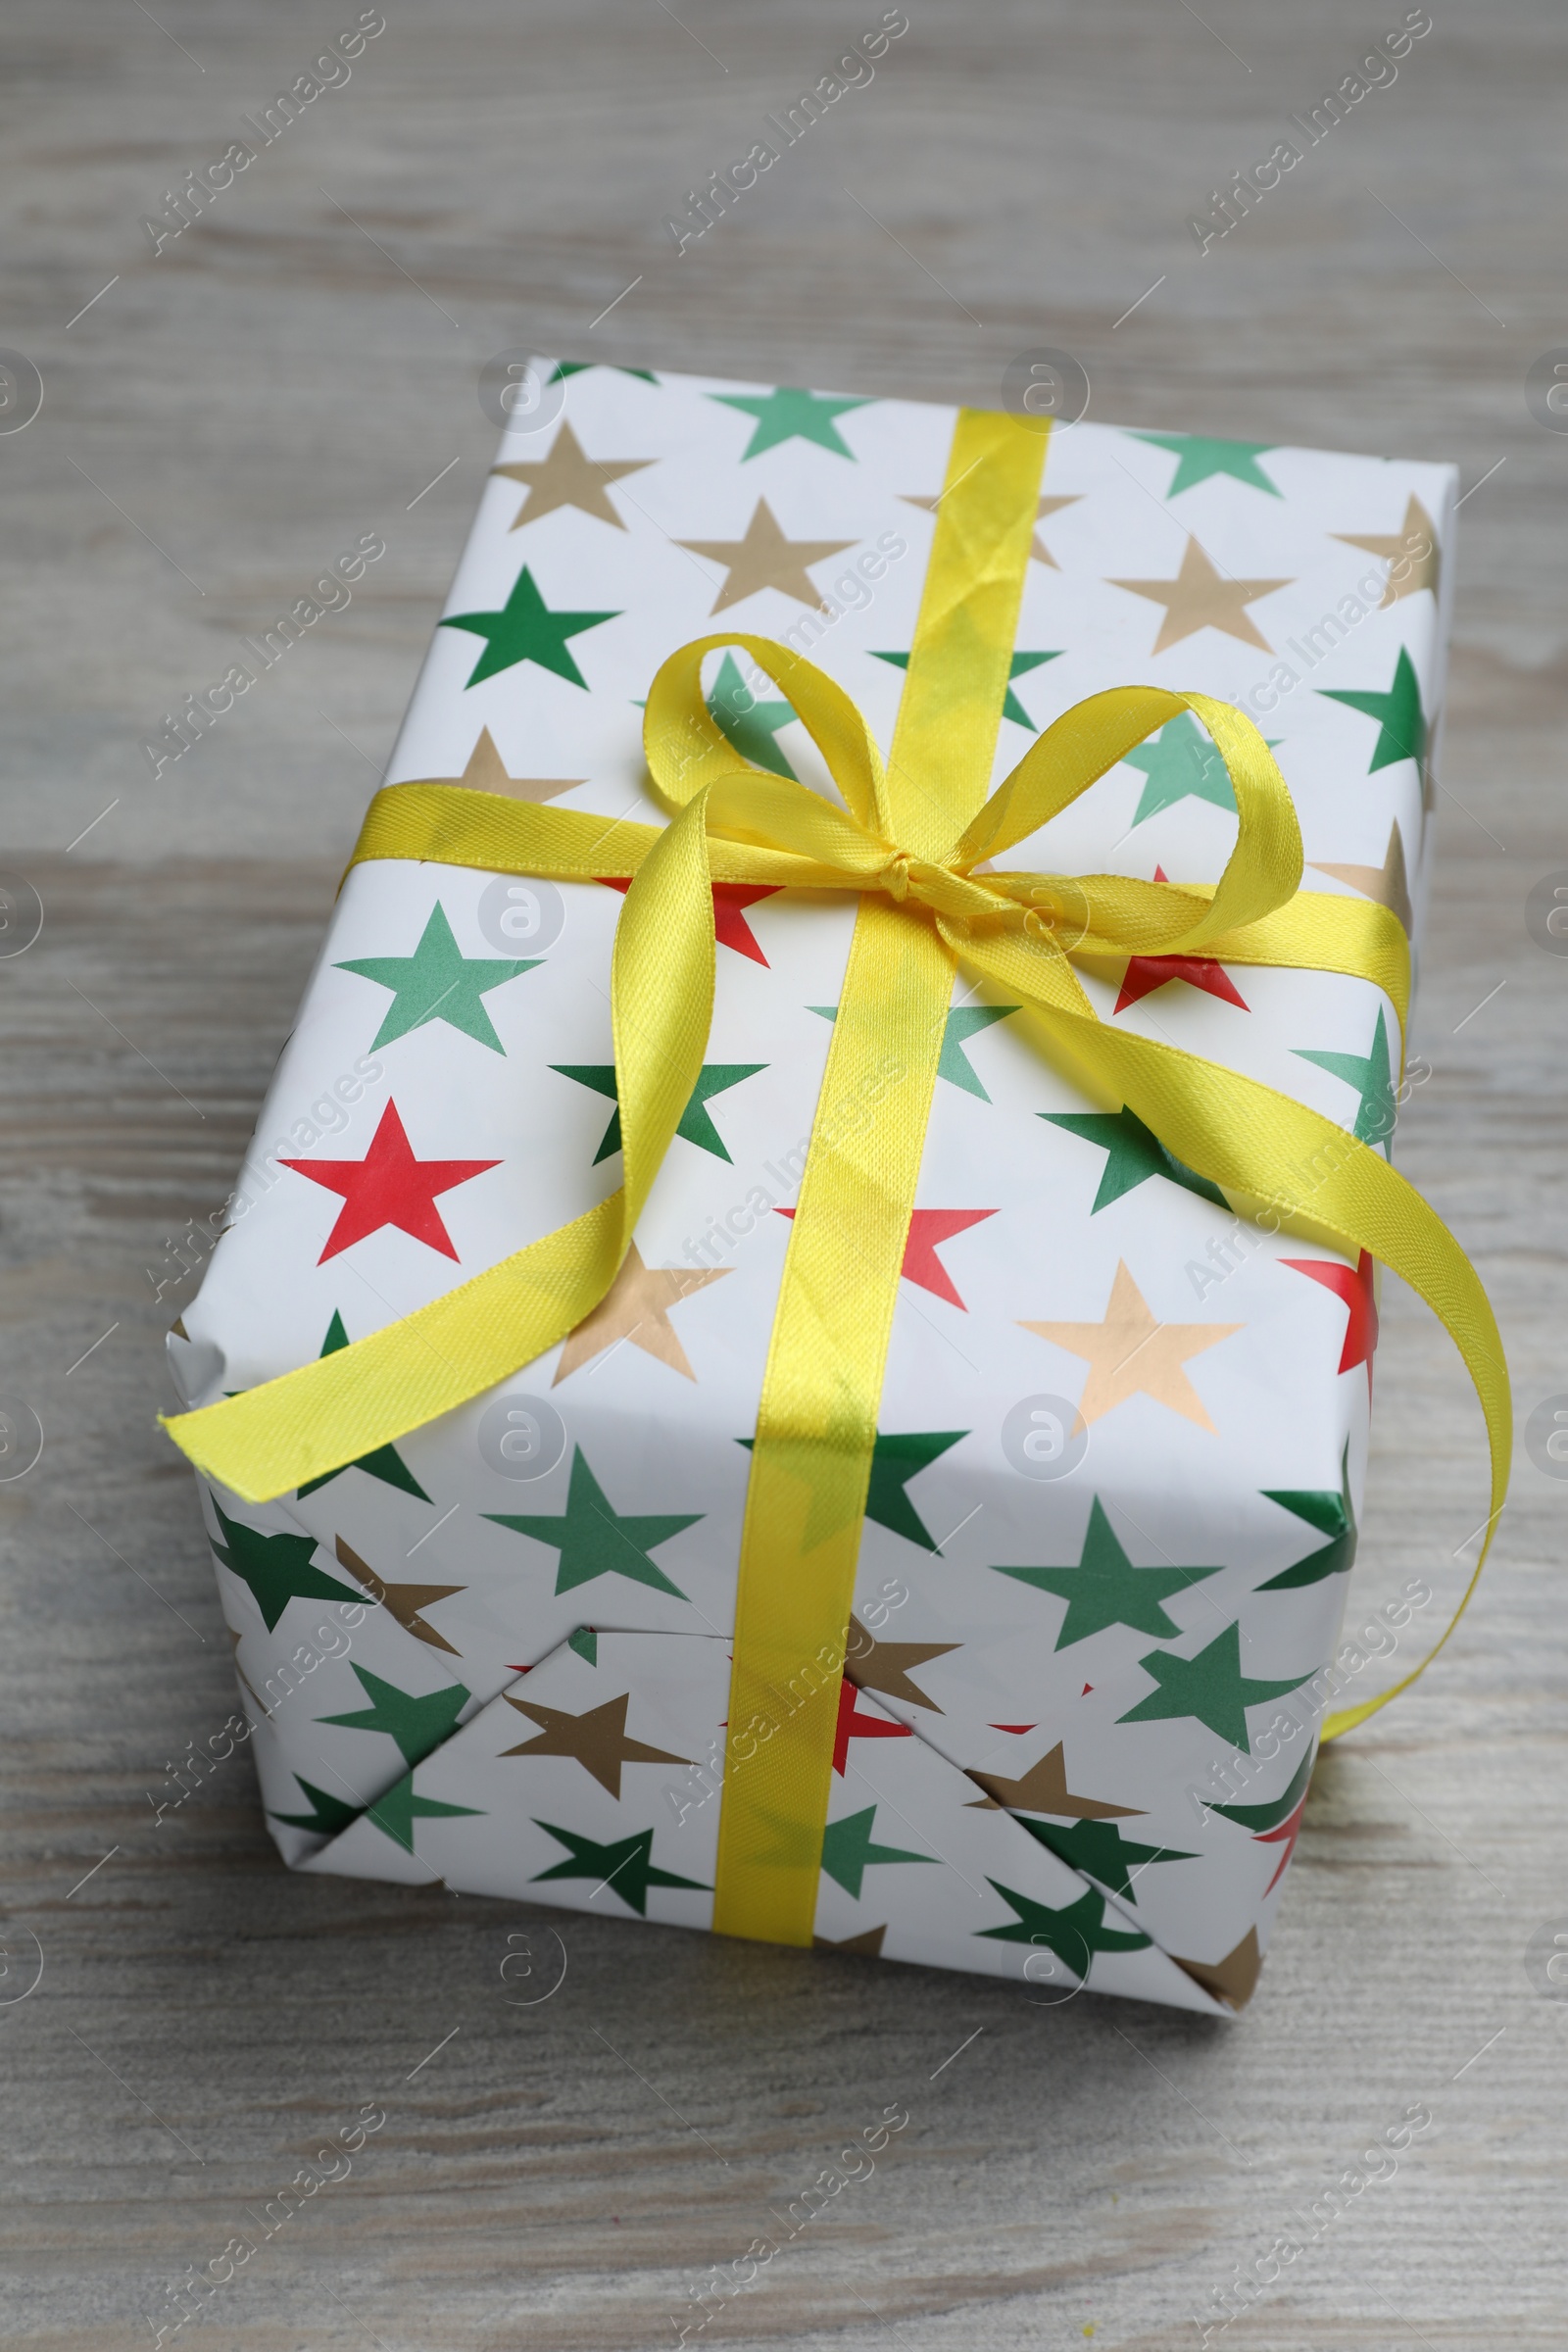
[
  {"x": 1036, "y": 546},
  {"x": 1414, "y": 558},
  {"x": 765, "y": 559},
  {"x": 634, "y": 1308},
  {"x": 1232, "y": 1980},
  {"x": 597, "y": 1740},
  {"x": 1388, "y": 883},
  {"x": 1202, "y": 598},
  {"x": 244, "y": 1677},
  {"x": 1043, "y": 1790},
  {"x": 867, "y": 1945},
  {"x": 1131, "y": 1351},
  {"x": 402, "y": 1602},
  {"x": 873, "y": 1665},
  {"x": 486, "y": 771},
  {"x": 568, "y": 477}
]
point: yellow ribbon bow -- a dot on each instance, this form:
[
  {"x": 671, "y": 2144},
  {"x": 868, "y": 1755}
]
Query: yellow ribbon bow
[{"x": 916, "y": 841}]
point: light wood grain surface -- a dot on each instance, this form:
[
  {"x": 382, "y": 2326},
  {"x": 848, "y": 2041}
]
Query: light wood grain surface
[{"x": 295, "y": 370}]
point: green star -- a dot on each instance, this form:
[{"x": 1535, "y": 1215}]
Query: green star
[
  {"x": 382, "y": 1461},
  {"x": 526, "y": 630},
  {"x": 788, "y": 415},
  {"x": 1133, "y": 1155},
  {"x": 1401, "y": 721},
  {"x": 397, "y": 1812},
  {"x": 565, "y": 368},
  {"x": 277, "y": 1568},
  {"x": 1333, "y": 1516},
  {"x": 1198, "y": 458},
  {"x": 594, "y": 1540},
  {"x": 1073, "y": 1934},
  {"x": 329, "y": 1814},
  {"x": 417, "y": 1725},
  {"x": 1097, "y": 1850},
  {"x": 963, "y": 1023},
  {"x": 747, "y": 723},
  {"x": 792, "y": 1844},
  {"x": 627, "y": 1866},
  {"x": 1180, "y": 764},
  {"x": 814, "y": 1462},
  {"x": 601, "y": 1076},
  {"x": 1019, "y": 668},
  {"x": 1373, "y": 1080},
  {"x": 898, "y": 1457},
  {"x": 1106, "y": 1589},
  {"x": 714, "y": 1078},
  {"x": 585, "y": 1642},
  {"x": 848, "y": 1851},
  {"x": 1259, "y": 1818},
  {"x": 438, "y": 984},
  {"x": 1210, "y": 1687}
]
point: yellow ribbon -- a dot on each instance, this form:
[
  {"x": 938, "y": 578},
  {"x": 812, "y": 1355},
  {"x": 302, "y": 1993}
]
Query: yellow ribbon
[{"x": 907, "y": 841}]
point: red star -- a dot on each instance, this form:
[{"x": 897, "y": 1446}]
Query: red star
[
  {"x": 1013, "y": 1727},
  {"x": 730, "y": 927},
  {"x": 853, "y": 1726},
  {"x": 388, "y": 1187},
  {"x": 928, "y": 1228},
  {"x": 1146, "y": 973},
  {"x": 1355, "y": 1289},
  {"x": 1286, "y": 1834},
  {"x": 730, "y": 899}
]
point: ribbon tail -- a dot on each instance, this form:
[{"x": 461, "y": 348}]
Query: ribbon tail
[
  {"x": 1258, "y": 1143},
  {"x": 276, "y": 1438},
  {"x": 280, "y": 1435}
]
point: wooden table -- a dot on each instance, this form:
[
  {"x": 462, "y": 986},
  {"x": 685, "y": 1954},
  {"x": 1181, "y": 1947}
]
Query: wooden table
[{"x": 221, "y": 416}]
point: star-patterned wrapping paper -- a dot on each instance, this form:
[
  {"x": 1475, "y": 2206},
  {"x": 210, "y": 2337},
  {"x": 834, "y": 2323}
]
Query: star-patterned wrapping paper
[{"x": 1121, "y": 1439}]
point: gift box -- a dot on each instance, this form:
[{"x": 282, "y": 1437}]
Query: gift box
[{"x": 1104, "y": 1451}]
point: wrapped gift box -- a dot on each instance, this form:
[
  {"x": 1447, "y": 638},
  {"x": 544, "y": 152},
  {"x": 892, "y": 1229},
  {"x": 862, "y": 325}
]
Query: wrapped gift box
[{"x": 1122, "y": 1432}]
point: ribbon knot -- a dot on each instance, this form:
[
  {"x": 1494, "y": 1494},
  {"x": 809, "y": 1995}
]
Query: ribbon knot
[
  {"x": 769, "y": 829},
  {"x": 945, "y": 890}
]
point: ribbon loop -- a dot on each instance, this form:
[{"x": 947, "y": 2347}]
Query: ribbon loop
[
  {"x": 686, "y": 748},
  {"x": 1264, "y": 868}
]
